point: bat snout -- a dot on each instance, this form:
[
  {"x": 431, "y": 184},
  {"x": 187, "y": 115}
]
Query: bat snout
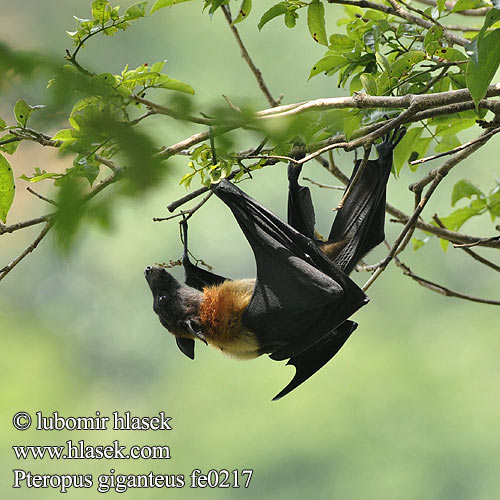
[
  {"x": 160, "y": 281},
  {"x": 156, "y": 276}
]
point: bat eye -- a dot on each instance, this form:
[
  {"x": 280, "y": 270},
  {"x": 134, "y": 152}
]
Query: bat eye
[{"x": 162, "y": 299}]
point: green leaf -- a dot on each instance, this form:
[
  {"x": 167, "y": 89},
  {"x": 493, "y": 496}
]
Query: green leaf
[
  {"x": 340, "y": 43},
  {"x": 441, "y": 5},
  {"x": 405, "y": 148},
  {"x": 450, "y": 54},
  {"x": 159, "y": 4},
  {"x": 186, "y": 179},
  {"x": 87, "y": 167},
  {"x": 420, "y": 147},
  {"x": 22, "y": 111},
  {"x": 142, "y": 76},
  {"x": 403, "y": 64},
  {"x": 369, "y": 83},
  {"x": 276, "y": 10},
  {"x": 480, "y": 75},
  {"x": 467, "y": 4},
  {"x": 455, "y": 220},
  {"x": 7, "y": 188},
  {"x": 165, "y": 82},
  {"x": 101, "y": 10},
  {"x": 115, "y": 13},
  {"x": 135, "y": 11},
  {"x": 454, "y": 125},
  {"x": 464, "y": 189},
  {"x": 432, "y": 38},
  {"x": 158, "y": 66},
  {"x": 494, "y": 203},
  {"x": 446, "y": 143},
  {"x": 383, "y": 61},
  {"x": 316, "y": 22},
  {"x": 246, "y": 7},
  {"x": 351, "y": 124},
  {"x": 327, "y": 64},
  {"x": 11, "y": 147},
  {"x": 291, "y": 17},
  {"x": 417, "y": 243},
  {"x": 64, "y": 135},
  {"x": 3, "y": 124},
  {"x": 41, "y": 176},
  {"x": 457, "y": 80}
]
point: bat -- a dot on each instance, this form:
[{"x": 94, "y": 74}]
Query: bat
[{"x": 297, "y": 307}]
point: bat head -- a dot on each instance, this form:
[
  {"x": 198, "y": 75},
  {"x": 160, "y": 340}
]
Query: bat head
[{"x": 175, "y": 304}]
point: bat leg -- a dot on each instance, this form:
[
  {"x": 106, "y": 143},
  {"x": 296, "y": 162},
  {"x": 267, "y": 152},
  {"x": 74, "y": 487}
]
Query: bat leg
[
  {"x": 301, "y": 214},
  {"x": 308, "y": 362},
  {"x": 194, "y": 276}
]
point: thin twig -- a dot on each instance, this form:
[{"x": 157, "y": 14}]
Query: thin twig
[
  {"x": 397, "y": 10},
  {"x": 6, "y": 270},
  {"x": 324, "y": 186},
  {"x": 468, "y": 251},
  {"x": 422, "y": 13},
  {"x": 135, "y": 121},
  {"x": 8, "y": 141},
  {"x": 106, "y": 161},
  {"x": 163, "y": 110},
  {"x": 480, "y": 241},
  {"x": 231, "y": 105},
  {"x": 191, "y": 141},
  {"x": 246, "y": 56},
  {"x": 458, "y": 148},
  {"x": 187, "y": 214},
  {"x": 440, "y": 288},
  {"x": 27, "y": 223},
  {"x": 443, "y": 170},
  {"x": 38, "y": 195},
  {"x": 457, "y": 27},
  {"x": 482, "y": 11}
]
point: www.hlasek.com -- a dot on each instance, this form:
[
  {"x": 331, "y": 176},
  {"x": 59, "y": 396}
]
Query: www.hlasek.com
[{"x": 79, "y": 450}]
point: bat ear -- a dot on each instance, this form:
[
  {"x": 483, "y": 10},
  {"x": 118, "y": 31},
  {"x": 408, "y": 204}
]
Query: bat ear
[{"x": 194, "y": 327}]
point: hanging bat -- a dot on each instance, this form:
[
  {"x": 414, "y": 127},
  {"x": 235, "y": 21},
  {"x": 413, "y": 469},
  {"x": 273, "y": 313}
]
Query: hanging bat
[{"x": 298, "y": 306}]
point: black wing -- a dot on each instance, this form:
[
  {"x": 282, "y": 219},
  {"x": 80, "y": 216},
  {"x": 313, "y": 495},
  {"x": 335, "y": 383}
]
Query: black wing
[
  {"x": 300, "y": 207},
  {"x": 308, "y": 362},
  {"x": 360, "y": 222},
  {"x": 300, "y": 296}
]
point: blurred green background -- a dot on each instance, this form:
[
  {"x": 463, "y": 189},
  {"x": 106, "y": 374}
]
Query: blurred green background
[{"x": 410, "y": 408}]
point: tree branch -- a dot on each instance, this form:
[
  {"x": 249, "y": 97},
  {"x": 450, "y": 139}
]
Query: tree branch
[
  {"x": 468, "y": 251},
  {"x": 442, "y": 172},
  {"x": 398, "y": 11},
  {"x": 8, "y": 268},
  {"x": 38, "y": 195},
  {"x": 163, "y": 110},
  {"x": 27, "y": 223},
  {"x": 467, "y": 12},
  {"x": 246, "y": 56},
  {"x": 440, "y": 288},
  {"x": 458, "y": 148}
]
